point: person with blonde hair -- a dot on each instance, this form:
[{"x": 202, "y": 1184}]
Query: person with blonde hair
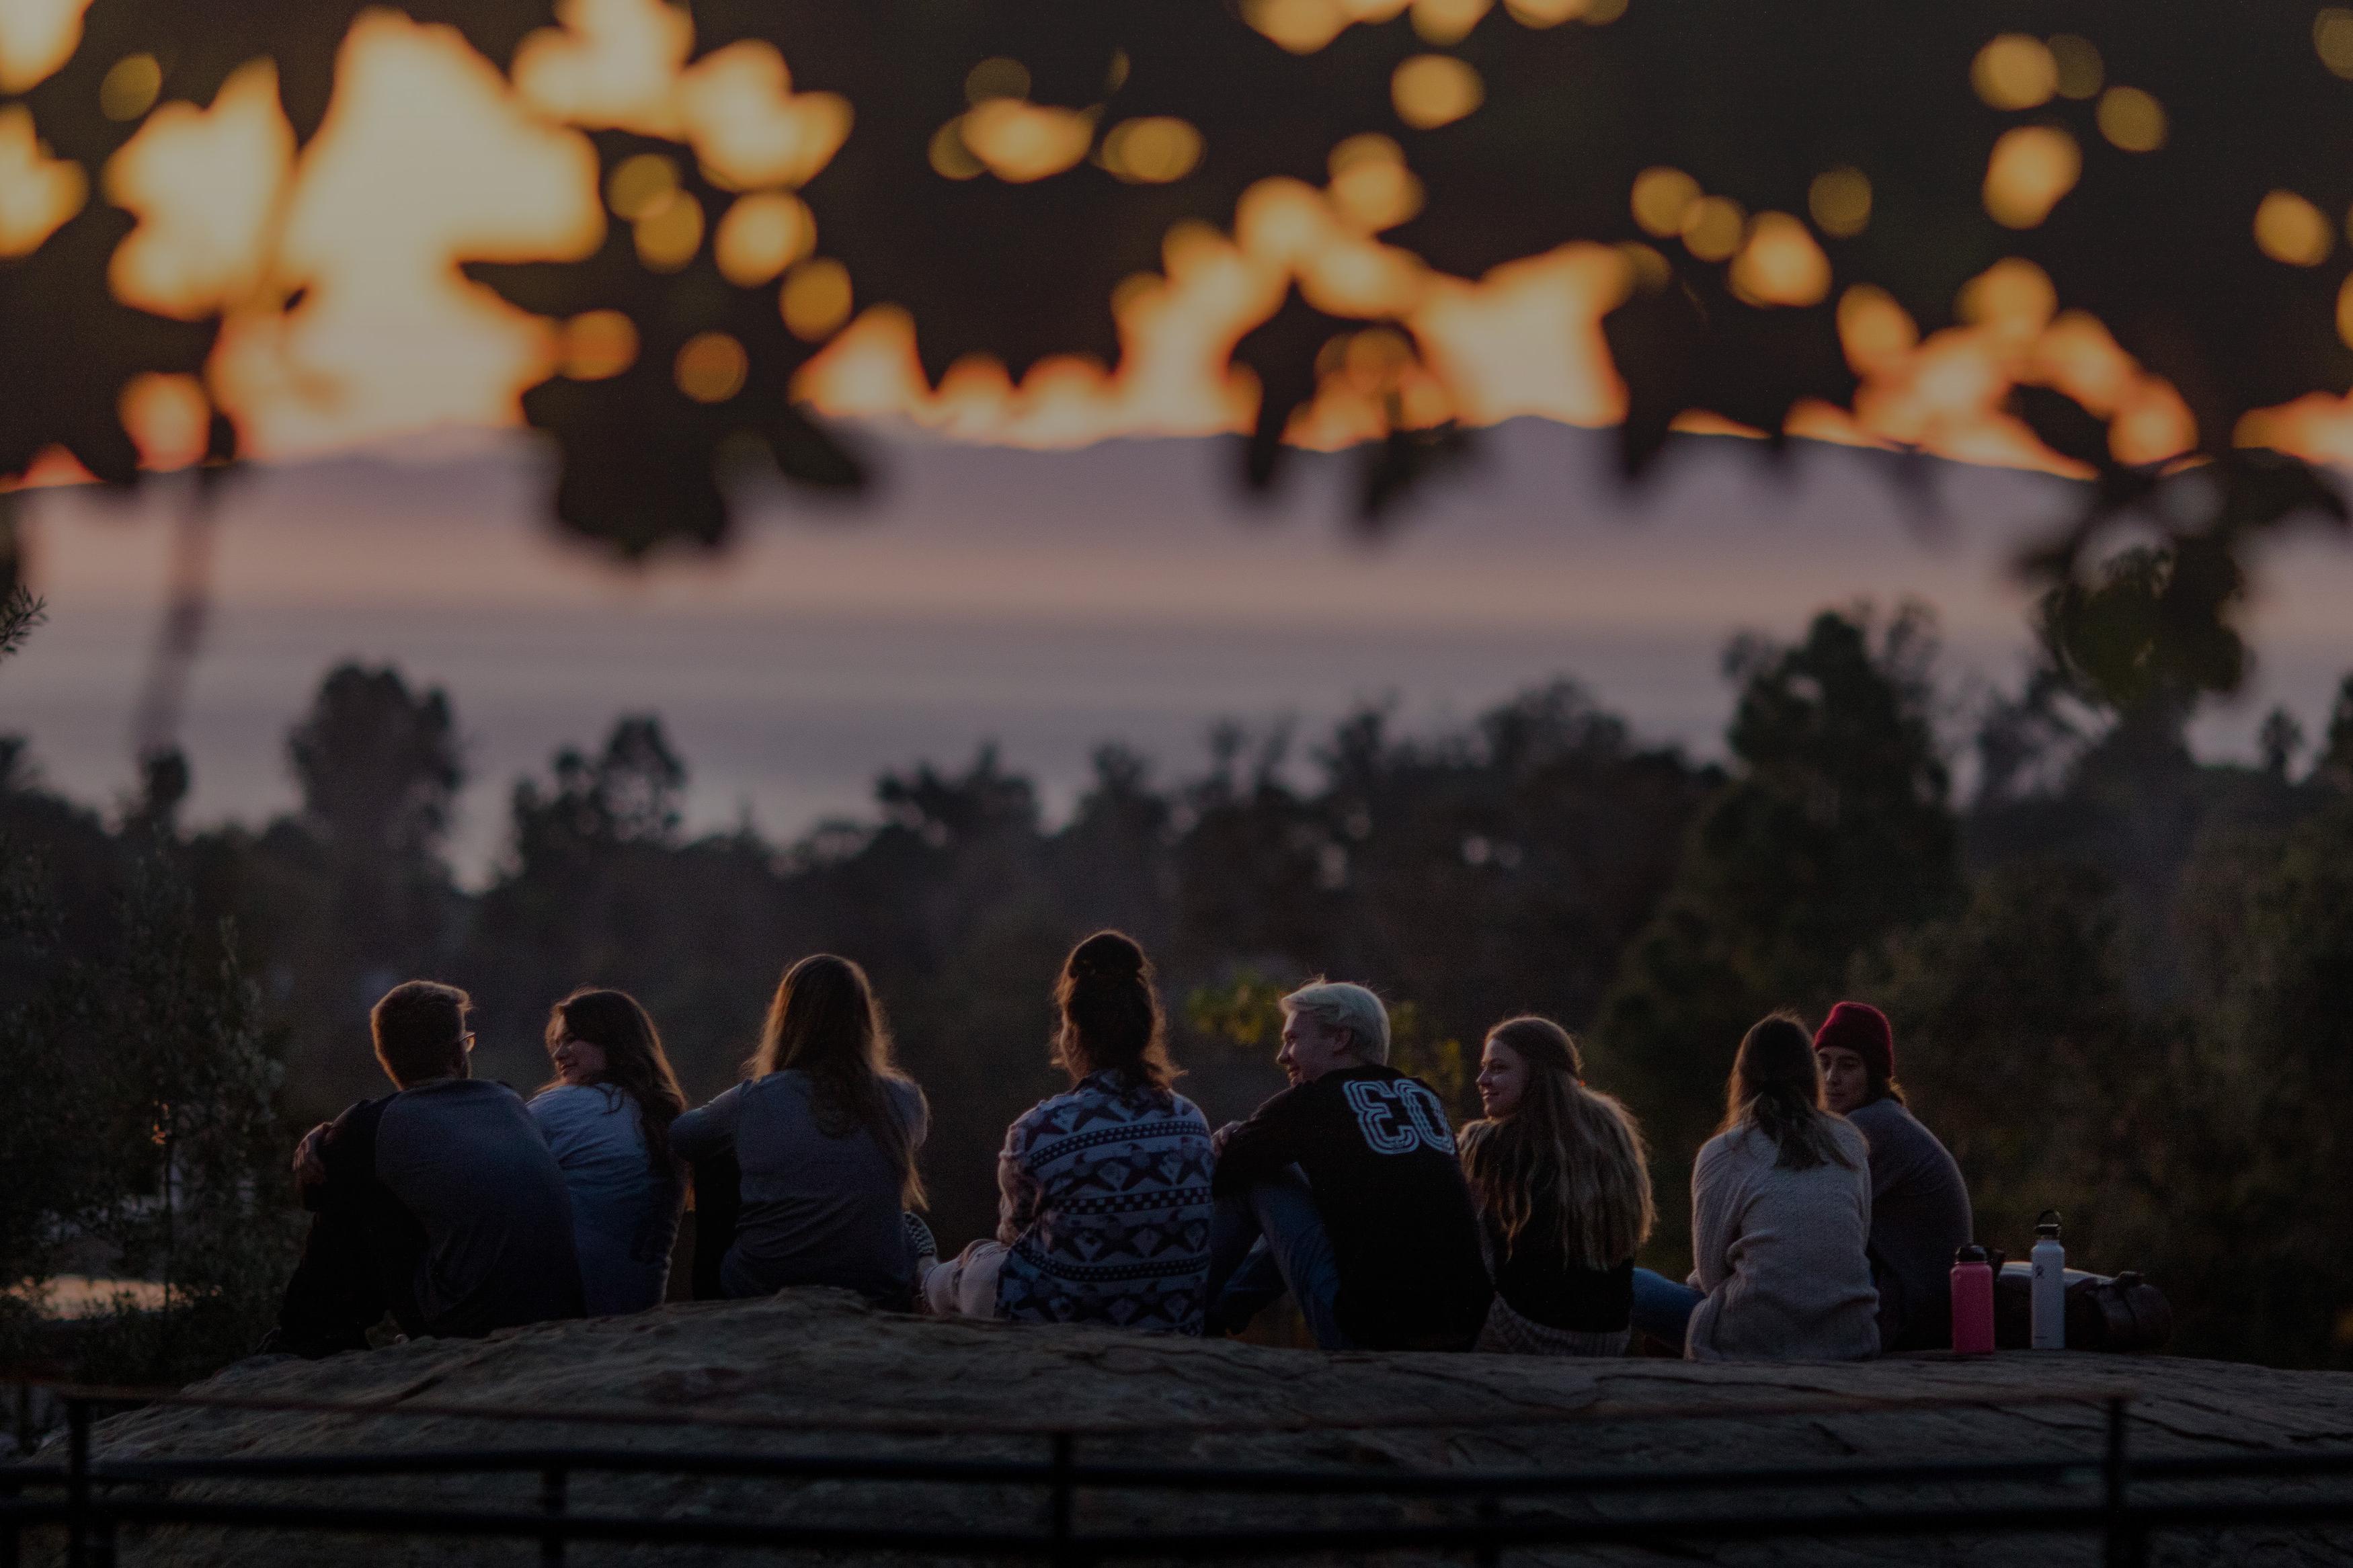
[
  {"x": 1104, "y": 1190},
  {"x": 1345, "y": 1189},
  {"x": 825, "y": 1132},
  {"x": 606, "y": 1120},
  {"x": 1562, "y": 1188},
  {"x": 1781, "y": 1215}
]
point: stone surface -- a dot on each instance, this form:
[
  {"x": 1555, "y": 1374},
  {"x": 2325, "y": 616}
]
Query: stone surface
[{"x": 874, "y": 1383}]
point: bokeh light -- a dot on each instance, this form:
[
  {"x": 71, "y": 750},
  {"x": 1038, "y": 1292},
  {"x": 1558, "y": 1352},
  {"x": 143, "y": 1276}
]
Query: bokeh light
[
  {"x": 2013, "y": 298},
  {"x": 1445, "y": 23},
  {"x": 1302, "y": 26},
  {"x": 1713, "y": 226},
  {"x": 668, "y": 236},
  {"x": 37, "y": 37},
  {"x": 640, "y": 183},
  {"x": 1371, "y": 187},
  {"x": 596, "y": 345},
  {"x": 1432, "y": 91},
  {"x": 2132, "y": 120},
  {"x": 2291, "y": 230},
  {"x": 2345, "y": 312},
  {"x": 2015, "y": 71},
  {"x": 1020, "y": 142},
  {"x": 1839, "y": 201},
  {"x": 1662, "y": 198},
  {"x": 1545, "y": 13},
  {"x": 711, "y": 367},
  {"x": 760, "y": 236},
  {"x": 997, "y": 77},
  {"x": 1876, "y": 332},
  {"x": 612, "y": 64},
  {"x": 2031, "y": 168},
  {"x": 2080, "y": 70},
  {"x": 129, "y": 89},
  {"x": 950, "y": 158},
  {"x": 37, "y": 193},
  {"x": 168, "y": 418},
  {"x": 2332, "y": 38},
  {"x": 749, "y": 128},
  {"x": 1152, "y": 150},
  {"x": 205, "y": 186},
  {"x": 815, "y": 300},
  {"x": 1781, "y": 264}
]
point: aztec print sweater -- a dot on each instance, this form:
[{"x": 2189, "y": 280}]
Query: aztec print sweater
[{"x": 1103, "y": 1200}]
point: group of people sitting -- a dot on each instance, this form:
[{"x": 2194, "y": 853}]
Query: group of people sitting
[{"x": 1823, "y": 1214}]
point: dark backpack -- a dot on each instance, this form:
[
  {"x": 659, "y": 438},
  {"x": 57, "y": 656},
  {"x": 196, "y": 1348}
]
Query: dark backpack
[{"x": 2124, "y": 1314}]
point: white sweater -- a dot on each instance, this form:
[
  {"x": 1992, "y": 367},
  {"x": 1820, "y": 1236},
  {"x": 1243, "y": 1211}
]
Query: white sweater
[{"x": 1780, "y": 1253}]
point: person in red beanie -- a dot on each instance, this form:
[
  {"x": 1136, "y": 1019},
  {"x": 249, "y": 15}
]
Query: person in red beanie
[{"x": 1919, "y": 1203}]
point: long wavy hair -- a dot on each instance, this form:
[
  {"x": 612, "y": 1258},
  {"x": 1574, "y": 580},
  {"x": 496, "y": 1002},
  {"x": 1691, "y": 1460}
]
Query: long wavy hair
[
  {"x": 1564, "y": 1141},
  {"x": 1111, "y": 1013},
  {"x": 1776, "y": 1087},
  {"x": 634, "y": 1063},
  {"x": 826, "y": 1024}
]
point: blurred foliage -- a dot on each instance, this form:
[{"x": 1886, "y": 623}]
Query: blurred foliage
[
  {"x": 20, "y": 612},
  {"x": 140, "y": 1137},
  {"x": 1245, "y": 1012},
  {"x": 2180, "y": 173},
  {"x": 1834, "y": 831}
]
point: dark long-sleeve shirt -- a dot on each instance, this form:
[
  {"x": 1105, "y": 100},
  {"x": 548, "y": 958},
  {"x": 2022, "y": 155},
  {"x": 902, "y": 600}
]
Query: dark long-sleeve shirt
[
  {"x": 465, "y": 1205},
  {"x": 1919, "y": 1217},
  {"x": 1378, "y": 1151}
]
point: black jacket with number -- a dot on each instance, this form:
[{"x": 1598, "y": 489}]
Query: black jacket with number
[{"x": 1379, "y": 1152}]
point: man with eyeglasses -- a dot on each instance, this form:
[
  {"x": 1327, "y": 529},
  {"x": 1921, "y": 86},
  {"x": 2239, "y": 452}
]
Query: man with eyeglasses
[{"x": 439, "y": 1203}]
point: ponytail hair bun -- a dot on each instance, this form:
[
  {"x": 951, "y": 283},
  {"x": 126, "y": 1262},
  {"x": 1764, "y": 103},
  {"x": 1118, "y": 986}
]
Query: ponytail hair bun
[
  {"x": 1111, "y": 1014},
  {"x": 1108, "y": 955}
]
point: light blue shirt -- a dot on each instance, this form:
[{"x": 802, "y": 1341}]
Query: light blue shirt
[{"x": 624, "y": 1213}]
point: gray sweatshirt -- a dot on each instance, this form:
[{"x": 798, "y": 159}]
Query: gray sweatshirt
[
  {"x": 1919, "y": 1218},
  {"x": 817, "y": 1210},
  {"x": 1780, "y": 1253},
  {"x": 624, "y": 1211}
]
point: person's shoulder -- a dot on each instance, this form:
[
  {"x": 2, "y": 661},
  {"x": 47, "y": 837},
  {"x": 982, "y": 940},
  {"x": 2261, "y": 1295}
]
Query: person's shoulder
[
  {"x": 1851, "y": 1138},
  {"x": 1733, "y": 1146},
  {"x": 558, "y": 1098},
  {"x": 1183, "y": 1109},
  {"x": 1886, "y": 1114}
]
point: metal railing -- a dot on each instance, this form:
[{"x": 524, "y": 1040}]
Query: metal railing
[{"x": 2101, "y": 1495}]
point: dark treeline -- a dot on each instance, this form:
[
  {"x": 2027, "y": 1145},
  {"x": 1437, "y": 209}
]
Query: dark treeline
[{"x": 2118, "y": 974}]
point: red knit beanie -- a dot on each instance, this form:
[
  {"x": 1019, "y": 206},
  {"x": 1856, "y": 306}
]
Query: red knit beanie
[{"x": 1860, "y": 1027}]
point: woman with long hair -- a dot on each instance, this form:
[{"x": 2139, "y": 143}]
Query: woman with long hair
[
  {"x": 1103, "y": 1191},
  {"x": 1781, "y": 1215},
  {"x": 1563, "y": 1186},
  {"x": 606, "y": 1117},
  {"x": 825, "y": 1132}
]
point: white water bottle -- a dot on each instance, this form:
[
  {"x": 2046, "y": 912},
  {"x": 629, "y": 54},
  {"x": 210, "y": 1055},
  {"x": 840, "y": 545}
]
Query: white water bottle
[{"x": 2050, "y": 1284}]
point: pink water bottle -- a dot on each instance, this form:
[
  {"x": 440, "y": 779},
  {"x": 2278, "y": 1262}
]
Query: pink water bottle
[{"x": 1972, "y": 1301}]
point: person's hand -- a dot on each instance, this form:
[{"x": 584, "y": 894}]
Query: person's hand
[
  {"x": 1221, "y": 1137},
  {"x": 311, "y": 1157}
]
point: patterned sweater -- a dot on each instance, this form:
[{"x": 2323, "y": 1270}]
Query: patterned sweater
[{"x": 1105, "y": 1203}]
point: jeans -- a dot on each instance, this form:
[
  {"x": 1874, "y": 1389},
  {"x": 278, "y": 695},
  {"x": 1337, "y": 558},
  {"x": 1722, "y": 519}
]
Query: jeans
[
  {"x": 1268, "y": 1240},
  {"x": 1662, "y": 1307}
]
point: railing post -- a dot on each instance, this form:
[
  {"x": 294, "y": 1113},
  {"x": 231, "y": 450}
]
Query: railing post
[
  {"x": 551, "y": 1489},
  {"x": 76, "y": 1482},
  {"x": 1059, "y": 1505},
  {"x": 2125, "y": 1541},
  {"x": 1490, "y": 1548}
]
